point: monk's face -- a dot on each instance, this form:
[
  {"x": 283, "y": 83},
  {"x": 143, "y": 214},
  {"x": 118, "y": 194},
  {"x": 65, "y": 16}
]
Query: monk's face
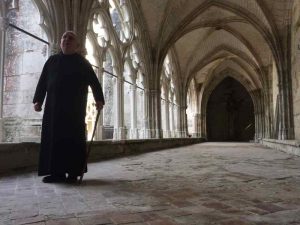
[{"x": 68, "y": 43}]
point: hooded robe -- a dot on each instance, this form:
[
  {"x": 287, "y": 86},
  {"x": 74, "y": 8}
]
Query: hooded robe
[{"x": 64, "y": 82}]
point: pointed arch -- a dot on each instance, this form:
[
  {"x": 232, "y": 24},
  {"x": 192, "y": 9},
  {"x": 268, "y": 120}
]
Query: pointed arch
[{"x": 230, "y": 112}]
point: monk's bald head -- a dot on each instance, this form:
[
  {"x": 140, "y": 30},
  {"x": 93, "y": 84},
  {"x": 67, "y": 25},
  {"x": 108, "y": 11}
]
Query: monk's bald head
[{"x": 69, "y": 43}]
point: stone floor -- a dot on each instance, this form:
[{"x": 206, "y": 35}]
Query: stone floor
[{"x": 209, "y": 183}]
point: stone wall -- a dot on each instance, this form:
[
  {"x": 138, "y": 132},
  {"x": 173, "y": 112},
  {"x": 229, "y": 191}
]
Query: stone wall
[
  {"x": 296, "y": 67},
  {"x": 289, "y": 146},
  {"x": 17, "y": 156},
  {"x": 24, "y": 59}
]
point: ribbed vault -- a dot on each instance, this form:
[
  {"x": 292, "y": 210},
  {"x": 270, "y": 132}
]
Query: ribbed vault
[{"x": 213, "y": 39}]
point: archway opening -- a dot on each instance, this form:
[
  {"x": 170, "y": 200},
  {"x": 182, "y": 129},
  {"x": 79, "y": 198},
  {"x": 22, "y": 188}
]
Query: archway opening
[{"x": 230, "y": 113}]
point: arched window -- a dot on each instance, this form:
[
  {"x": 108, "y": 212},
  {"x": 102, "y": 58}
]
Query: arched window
[
  {"x": 131, "y": 84},
  {"x": 134, "y": 95},
  {"x": 100, "y": 47}
]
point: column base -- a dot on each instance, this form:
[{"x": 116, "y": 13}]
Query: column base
[
  {"x": 119, "y": 133},
  {"x": 1, "y": 130},
  {"x": 134, "y": 133}
]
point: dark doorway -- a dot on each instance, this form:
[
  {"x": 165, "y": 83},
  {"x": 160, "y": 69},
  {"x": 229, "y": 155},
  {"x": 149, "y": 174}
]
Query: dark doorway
[{"x": 230, "y": 113}]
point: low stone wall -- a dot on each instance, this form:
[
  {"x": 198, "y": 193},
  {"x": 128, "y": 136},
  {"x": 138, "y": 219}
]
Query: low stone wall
[
  {"x": 288, "y": 146},
  {"x": 17, "y": 156}
]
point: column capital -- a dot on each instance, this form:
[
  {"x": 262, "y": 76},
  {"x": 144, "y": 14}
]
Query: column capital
[
  {"x": 153, "y": 91},
  {"x": 133, "y": 87},
  {"x": 54, "y": 48}
]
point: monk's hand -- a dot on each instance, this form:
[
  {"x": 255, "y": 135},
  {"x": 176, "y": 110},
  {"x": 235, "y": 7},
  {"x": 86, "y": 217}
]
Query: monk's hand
[
  {"x": 99, "y": 105},
  {"x": 37, "y": 107}
]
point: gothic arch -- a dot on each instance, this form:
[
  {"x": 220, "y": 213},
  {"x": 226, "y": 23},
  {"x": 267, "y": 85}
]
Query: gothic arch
[
  {"x": 230, "y": 112},
  {"x": 230, "y": 52},
  {"x": 218, "y": 78}
]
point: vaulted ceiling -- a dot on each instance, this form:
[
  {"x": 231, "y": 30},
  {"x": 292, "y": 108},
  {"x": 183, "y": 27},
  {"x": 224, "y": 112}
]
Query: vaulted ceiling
[{"x": 209, "y": 36}]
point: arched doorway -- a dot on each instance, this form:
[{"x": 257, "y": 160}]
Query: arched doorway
[{"x": 230, "y": 113}]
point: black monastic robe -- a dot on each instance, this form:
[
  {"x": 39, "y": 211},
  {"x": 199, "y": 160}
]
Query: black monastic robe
[{"x": 64, "y": 81}]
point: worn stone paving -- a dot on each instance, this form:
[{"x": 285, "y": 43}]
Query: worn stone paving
[{"x": 209, "y": 183}]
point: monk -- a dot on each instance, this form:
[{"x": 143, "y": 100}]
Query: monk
[{"x": 64, "y": 83}]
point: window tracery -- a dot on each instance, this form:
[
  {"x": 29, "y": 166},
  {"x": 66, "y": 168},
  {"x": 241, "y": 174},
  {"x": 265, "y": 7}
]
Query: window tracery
[{"x": 120, "y": 16}]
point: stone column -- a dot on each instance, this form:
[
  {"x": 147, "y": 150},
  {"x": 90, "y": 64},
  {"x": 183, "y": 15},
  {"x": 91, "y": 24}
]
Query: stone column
[
  {"x": 202, "y": 124},
  {"x": 183, "y": 121},
  {"x": 133, "y": 98},
  {"x": 171, "y": 115},
  {"x": 172, "y": 127},
  {"x": 154, "y": 110},
  {"x": 259, "y": 117},
  {"x": 167, "y": 131},
  {"x": 197, "y": 125},
  {"x": 267, "y": 118},
  {"x": 286, "y": 129},
  {"x": 282, "y": 132},
  {"x": 3, "y": 27},
  {"x": 100, "y": 127},
  {"x": 116, "y": 108},
  {"x": 259, "y": 122},
  {"x": 120, "y": 110},
  {"x": 177, "y": 122},
  {"x": 203, "y": 132},
  {"x": 147, "y": 132}
]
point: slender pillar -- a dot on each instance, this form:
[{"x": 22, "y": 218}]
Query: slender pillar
[
  {"x": 154, "y": 109},
  {"x": 171, "y": 115},
  {"x": 203, "y": 132},
  {"x": 167, "y": 131},
  {"x": 120, "y": 109},
  {"x": 100, "y": 127},
  {"x": 258, "y": 123},
  {"x": 3, "y": 28},
  {"x": 115, "y": 109},
  {"x": 282, "y": 123},
  {"x": 177, "y": 121},
  {"x": 133, "y": 116},
  {"x": 286, "y": 128},
  {"x": 183, "y": 121},
  {"x": 197, "y": 125},
  {"x": 172, "y": 125},
  {"x": 147, "y": 132}
]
